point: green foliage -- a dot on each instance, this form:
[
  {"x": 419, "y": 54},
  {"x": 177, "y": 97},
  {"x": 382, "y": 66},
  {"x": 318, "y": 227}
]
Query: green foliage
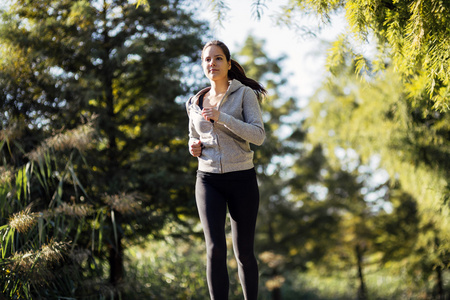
[
  {"x": 73, "y": 196},
  {"x": 387, "y": 283},
  {"x": 411, "y": 35},
  {"x": 325, "y": 217},
  {"x": 44, "y": 212},
  {"x": 400, "y": 112},
  {"x": 157, "y": 269},
  {"x": 168, "y": 268},
  {"x": 377, "y": 119},
  {"x": 173, "y": 268},
  {"x": 313, "y": 214},
  {"x": 72, "y": 60}
]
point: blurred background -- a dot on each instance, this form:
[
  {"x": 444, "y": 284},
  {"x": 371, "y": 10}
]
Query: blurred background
[{"x": 97, "y": 185}]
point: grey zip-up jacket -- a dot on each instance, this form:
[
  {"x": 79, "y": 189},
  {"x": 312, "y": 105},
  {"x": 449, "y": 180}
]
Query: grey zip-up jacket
[{"x": 226, "y": 143}]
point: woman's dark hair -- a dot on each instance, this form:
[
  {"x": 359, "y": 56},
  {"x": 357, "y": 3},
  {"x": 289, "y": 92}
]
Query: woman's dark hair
[{"x": 237, "y": 72}]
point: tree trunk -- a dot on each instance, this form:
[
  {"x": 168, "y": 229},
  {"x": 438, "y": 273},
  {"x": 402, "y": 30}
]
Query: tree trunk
[
  {"x": 276, "y": 294},
  {"x": 362, "y": 292},
  {"x": 276, "y": 291},
  {"x": 116, "y": 260},
  {"x": 115, "y": 251},
  {"x": 440, "y": 285}
]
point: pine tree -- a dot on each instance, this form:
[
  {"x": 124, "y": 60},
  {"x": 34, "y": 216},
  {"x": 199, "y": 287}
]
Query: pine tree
[
  {"x": 66, "y": 61},
  {"x": 376, "y": 119},
  {"x": 412, "y": 35}
]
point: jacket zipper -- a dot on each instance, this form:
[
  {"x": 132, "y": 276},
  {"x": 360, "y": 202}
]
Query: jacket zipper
[
  {"x": 218, "y": 144},
  {"x": 220, "y": 154}
]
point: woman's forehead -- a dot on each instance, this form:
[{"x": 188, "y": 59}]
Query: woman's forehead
[{"x": 213, "y": 50}]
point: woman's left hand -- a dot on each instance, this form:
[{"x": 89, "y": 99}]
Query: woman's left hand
[{"x": 210, "y": 113}]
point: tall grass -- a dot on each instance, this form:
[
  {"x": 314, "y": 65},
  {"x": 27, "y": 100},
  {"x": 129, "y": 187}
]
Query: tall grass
[{"x": 44, "y": 213}]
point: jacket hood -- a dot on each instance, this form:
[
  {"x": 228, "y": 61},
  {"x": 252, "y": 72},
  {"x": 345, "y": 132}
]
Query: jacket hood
[{"x": 234, "y": 86}]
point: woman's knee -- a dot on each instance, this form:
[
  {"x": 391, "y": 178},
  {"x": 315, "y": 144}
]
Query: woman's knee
[
  {"x": 246, "y": 258},
  {"x": 217, "y": 252}
]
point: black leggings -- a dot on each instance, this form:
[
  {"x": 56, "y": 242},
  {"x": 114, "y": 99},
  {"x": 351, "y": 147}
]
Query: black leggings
[{"x": 239, "y": 191}]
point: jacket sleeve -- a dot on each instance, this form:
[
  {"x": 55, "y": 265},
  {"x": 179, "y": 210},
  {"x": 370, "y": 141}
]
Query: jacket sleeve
[
  {"x": 252, "y": 128},
  {"x": 193, "y": 134}
]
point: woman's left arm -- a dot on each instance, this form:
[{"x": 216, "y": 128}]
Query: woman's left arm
[{"x": 252, "y": 128}]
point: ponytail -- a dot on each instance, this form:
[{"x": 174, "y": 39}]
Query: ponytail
[{"x": 237, "y": 72}]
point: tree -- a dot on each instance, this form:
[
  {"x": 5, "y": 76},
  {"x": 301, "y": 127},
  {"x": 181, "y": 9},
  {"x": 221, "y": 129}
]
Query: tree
[
  {"x": 70, "y": 60},
  {"x": 400, "y": 112},
  {"x": 407, "y": 80},
  {"x": 412, "y": 35},
  {"x": 296, "y": 226},
  {"x": 377, "y": 119}
]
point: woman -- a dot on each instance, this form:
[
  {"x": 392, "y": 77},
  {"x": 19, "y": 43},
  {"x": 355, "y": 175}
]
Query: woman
[{"x": 223, "y": 120}]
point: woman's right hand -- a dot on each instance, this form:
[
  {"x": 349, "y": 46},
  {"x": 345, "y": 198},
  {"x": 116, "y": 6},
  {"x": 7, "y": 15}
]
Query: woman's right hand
[{"x": 196, "y": 149}]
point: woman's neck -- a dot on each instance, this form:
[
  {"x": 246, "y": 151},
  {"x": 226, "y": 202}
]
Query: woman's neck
[{"x": 218, "y": 88}]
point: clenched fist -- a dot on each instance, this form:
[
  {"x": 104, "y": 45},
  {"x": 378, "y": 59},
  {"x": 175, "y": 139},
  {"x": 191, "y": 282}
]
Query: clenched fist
[
  {"x": 210, "y": 114},
  {"x": 196, "y": 149}
]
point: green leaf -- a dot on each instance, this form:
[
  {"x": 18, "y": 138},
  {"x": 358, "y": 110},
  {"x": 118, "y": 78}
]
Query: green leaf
[{"x": 8, "y": 238}]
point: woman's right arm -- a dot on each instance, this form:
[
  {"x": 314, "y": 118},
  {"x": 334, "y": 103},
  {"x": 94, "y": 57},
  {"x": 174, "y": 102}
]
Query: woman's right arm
[{"x": 195, "y": 145}]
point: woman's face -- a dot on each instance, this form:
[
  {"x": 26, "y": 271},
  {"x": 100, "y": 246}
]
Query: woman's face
[{"x": 215, "y": 64}]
